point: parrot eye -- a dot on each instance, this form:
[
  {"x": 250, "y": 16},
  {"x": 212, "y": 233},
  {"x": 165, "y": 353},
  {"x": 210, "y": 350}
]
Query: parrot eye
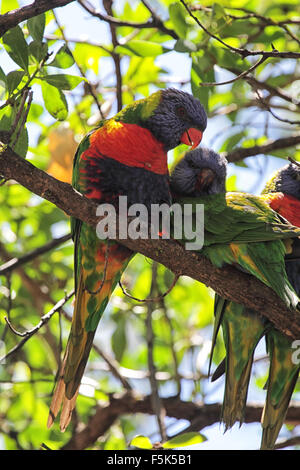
[{"x": 181, "y": 112}]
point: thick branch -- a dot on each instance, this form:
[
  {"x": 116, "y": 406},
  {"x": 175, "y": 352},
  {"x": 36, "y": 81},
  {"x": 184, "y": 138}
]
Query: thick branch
[
  {"x": 13, "y": 18},
  {"x": 243, "y": 152},
  {"x": 199, "y": 416},
  {"x": 227, "y": 282}
]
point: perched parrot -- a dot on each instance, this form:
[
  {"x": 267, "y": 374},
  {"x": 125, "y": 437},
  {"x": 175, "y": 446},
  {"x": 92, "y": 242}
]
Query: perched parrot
[
  {"x": 283, "y": 371},
  {"x": 243, "y": 230},
  {"x": 125, "y": 156},
  {"x": 283, "y": 191}
]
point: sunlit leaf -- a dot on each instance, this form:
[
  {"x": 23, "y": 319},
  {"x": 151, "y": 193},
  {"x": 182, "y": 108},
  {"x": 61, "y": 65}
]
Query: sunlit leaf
[
  {"x": 16, "y": 46},
  {"x": 141, "y": 442},
  {"x": 55, "y": 101},
  {"x": 8, "y": 5},
  {"x": 177, "y": 14},
  {"x": 141, "y": 48},
  {"x": 118, "y": 339},
  {"x": 36, "y": 26},
  {"x": 63, "y": 81},
  {"x": 13, "y": 79},
  {"x": 184, "y": 440},
  {"x": 184, "y": 45},
  {"x": 63, "y": 58},
  {"x": 37, "y": 50}
]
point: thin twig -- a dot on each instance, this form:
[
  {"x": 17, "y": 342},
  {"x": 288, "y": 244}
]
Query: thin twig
[
  {"x": 250, "y": 15},
  {"x": 26, "y": 335},
  {"x": 241, "y": 75},
  {"x": 15, "y": 263},
  {"x": 242, "y": 52},
  {"x": 79, "y": 67},
  {"x": 148, "y": 299},
  {"x": 172, "y": 348},
  {"x": 23, "y": 120},
  {"x": 267, "y": 107},
  {"x": 12, "y": 98},
  {"x": 154, "y": 22},
  {"x": 9, "y": 305},
  {"x": 116, "y": 57},
  {"x": 24, "y": 95},
  {"x": 294, "y": 162},
  {"x": 157, "y": 406}
]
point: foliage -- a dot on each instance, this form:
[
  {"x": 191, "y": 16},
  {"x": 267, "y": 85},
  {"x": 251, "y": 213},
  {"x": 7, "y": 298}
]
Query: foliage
[{"x": 54, "y": 87}]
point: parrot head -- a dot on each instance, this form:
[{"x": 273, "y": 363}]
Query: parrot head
[
  {"x": 172, "y": 116},
  {"x": 285, "y": 180},
  {"x": 200, "y": 172}
]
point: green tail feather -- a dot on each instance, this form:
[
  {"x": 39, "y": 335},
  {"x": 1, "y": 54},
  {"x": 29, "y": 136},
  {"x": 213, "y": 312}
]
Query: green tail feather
[
  {"x": 242, "y": 330},
  {"x": 283, "y": 375}
]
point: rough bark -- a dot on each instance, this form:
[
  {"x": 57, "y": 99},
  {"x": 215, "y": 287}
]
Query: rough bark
[{"x": 227, "y": 282}]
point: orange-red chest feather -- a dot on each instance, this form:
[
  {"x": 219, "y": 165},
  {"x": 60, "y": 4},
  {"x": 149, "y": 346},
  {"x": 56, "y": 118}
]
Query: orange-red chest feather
[
  {"x": 129, "y": 144},
  {"x": 287, "y": 206}
]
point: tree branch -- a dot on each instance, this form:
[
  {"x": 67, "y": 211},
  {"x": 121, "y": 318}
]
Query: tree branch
[
  {"x": 13, "y": 18},
  {"x": 15, "y": 263},
  {"x": 28, "y": 333},
  {"x": 228, "y": 282},
  {"x": 242, "y": 52},
  {"x": 199, "y": 416},
  {"x": 242, "y": 152},
  {"x": 154, "y": 22},
  {"x": 115, "y": 56}
]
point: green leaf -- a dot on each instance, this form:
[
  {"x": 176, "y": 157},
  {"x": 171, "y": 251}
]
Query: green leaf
[
  {"x": 232, "y": 141},
  {"x": 184, "y": 440},
  {"x": 21, "y": 146},
  {"x": 55, "y": 101},
  {"x": 8, "y": 5},
  {"x": 37, "y": 50},
  {"x": 36, "y": 26},
  {"x": 6, "y": 118},
  {"x": 13, "y": 79},
  {"x": 63, "y": 81},
  {"x": 141, "y": 48},
  {"x": 118, "y": 340},
  {"x": 16, "y": 46},
  {"x": 177, "y": 14},
  {"x": 2, "y": 75},
  {"x": 184, "y": 45},
  {"x": 63, "y": 58},
  {"x": 202, "y": 71},
  {"x": 142, "y": 442}
]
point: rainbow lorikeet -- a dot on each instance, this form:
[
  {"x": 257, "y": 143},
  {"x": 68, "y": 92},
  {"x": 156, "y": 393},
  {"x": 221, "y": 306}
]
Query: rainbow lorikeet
[
  {"x": 283, "y": 370},
  {"x": 243, "y": 230},
  {"x": 125, "y": 156},
  {"x": 283, "y": 191}
]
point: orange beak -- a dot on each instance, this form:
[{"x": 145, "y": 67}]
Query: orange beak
[{"x": 191, "y": 137}]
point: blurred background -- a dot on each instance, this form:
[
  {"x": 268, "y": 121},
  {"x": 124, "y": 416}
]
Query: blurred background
[{"x": 104, "y": 55}]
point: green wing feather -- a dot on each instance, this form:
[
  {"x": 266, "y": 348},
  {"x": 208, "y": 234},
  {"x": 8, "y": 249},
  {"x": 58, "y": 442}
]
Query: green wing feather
[{"x": 243, "y": 230}]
